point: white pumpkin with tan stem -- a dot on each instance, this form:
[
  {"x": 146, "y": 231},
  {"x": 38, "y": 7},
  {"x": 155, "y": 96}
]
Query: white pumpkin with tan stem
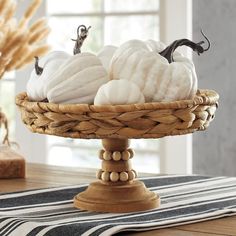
[
  {"x": 79, "y": 78},
  {"x": 75, "y": 79},
  {"x": 118, "y": 92},
  {"x": 38, "y": 76},
  {"x": 161, "y": 73}
]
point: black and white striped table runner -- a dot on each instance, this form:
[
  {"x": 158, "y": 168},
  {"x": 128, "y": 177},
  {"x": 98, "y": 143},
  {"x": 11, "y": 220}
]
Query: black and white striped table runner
[{"x": 50, "y": 212}]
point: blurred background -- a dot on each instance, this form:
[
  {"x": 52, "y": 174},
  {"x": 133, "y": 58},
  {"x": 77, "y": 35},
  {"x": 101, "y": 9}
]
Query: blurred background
[{"x": 113, "y": 22}]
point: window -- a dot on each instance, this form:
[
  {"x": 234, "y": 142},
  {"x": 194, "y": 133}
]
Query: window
[{"x": 113, "y": 22}]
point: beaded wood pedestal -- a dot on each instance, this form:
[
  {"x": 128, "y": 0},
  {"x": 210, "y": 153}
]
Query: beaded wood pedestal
[{"x": 117, "y": 189}]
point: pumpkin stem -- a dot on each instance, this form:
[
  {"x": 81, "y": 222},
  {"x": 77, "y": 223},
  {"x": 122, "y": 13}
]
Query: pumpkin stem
[
  {"x": 38, "y": 69},
  {"x": 82, "y": 33},
  {"x": 197, "y": 47}
]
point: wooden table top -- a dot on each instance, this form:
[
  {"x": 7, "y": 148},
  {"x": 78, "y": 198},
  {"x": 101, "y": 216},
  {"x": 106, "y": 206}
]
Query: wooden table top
[{"x": 42, "y": 176}]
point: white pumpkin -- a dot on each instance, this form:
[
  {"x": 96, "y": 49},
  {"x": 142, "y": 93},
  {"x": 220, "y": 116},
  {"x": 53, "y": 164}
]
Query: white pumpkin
[
  {"x": 68, "y": 79},
  {"x": 161, "y": 73},
  {"x": 77, "y": 80},
  {"x": 118, "y": 92},
  {"x": 45, "y": 67},
  {"x": 105, "y": 55}
]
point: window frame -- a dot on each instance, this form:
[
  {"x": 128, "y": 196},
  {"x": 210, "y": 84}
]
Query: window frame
[{"x": 176, "y": 151}]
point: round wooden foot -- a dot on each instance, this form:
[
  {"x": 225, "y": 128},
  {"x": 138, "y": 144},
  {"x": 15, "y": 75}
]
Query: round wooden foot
[
  {"x": 130, "y": 197},
  {"x": 117, "y": 190}
]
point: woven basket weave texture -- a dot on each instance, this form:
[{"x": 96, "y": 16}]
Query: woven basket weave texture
[{"x": 147, "y": 120}]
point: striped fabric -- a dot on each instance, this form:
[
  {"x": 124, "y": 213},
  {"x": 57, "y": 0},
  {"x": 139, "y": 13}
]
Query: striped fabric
[{"x": 185, "y": 199}]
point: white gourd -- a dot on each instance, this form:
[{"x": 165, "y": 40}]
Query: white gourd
[
  {"x": 180, "y": 74},
  {"x": 50, "y": 62},
  {"x": 62, "y": 78},
  {"x": 157, "y": 79},
  {"x": 161, "y": 73},
  {"x": 105, "y": 55},
  {"x": 77, "y": 80},
  {"x": 118, "y": 92}
]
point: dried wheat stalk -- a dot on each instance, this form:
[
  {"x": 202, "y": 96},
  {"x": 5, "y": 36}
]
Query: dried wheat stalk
[
  {"x": 3, "y": 121},
  {"x": 20, "y": 42}
]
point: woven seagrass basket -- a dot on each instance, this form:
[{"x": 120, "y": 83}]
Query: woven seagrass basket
[{"x": 148, "y": 120}]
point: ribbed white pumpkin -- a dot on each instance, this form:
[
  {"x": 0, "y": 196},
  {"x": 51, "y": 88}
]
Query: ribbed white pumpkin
[
  {"x": 118, "y": 92},
  {"x": 50, "y": 62},
  {"x": 159, "y": 80},
  {"x": 77, "y": 80},
  {"x": 105, "y": 55}
]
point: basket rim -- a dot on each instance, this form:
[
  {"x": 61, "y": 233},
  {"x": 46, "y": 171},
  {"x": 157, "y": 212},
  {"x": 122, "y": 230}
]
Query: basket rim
[{"x": 203, "y": 97}]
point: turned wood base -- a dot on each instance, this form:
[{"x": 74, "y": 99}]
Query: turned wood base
[
  {"x": 130, "y": 197},
  {"x": 117, "y": 190}
]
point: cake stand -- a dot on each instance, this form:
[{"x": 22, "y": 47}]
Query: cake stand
[{"x": 117, "y": 188}]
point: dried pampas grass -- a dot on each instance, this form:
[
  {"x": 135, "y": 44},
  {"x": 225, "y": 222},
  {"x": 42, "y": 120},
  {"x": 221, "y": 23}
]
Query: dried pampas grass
[{"x": 20, "y": 42}]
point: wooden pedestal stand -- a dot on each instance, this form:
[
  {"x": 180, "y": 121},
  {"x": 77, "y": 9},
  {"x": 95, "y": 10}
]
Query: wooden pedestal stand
[{"x": 117, "y": 190}]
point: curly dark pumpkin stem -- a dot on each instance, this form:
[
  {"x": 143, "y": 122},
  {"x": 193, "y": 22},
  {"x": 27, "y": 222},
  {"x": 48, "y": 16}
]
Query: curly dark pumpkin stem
[
  {"x": 38, "y": 69},
  {"x": 168, "y": 51},
  {"x": 82, "y": 33}
]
